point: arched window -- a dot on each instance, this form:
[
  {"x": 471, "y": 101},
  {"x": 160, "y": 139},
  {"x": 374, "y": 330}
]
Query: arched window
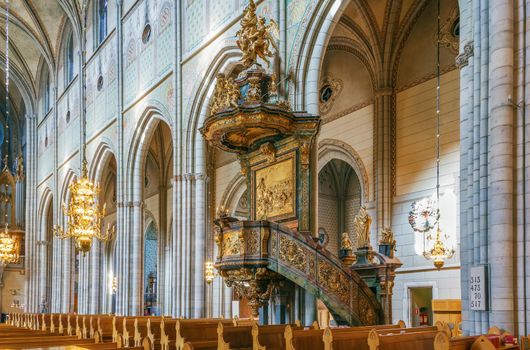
[
  {"x": 101, "y": 21},
  {"x": 69, "y": 58}
]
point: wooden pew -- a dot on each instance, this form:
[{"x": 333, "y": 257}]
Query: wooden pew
[
  {"x": 199, "y": 345},
  {"x": 443, "y": 342},
  {"x": 233, "y": 337},
  {"x": 154, "y": 332},
  {"x": 413, "y": 340},
  {"x": 127, "y": 333},
  {"x": 42, "y": 342},
  {"x": 525, "y": 342},
  {"x": 105, "y": 328},
  {"x": 198, "y": 330},
  {"x": 303, "y": 339},
  {"x": 168, "y": 333},
  {"x": 143, "y": 328},
  {"x": 270, "y": 337},
  {"x": 117, "y": 324},
  {"x": 356, "y": 337}
]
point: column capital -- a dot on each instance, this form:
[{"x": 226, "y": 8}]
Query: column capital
[{"x": 386, "y": 91}]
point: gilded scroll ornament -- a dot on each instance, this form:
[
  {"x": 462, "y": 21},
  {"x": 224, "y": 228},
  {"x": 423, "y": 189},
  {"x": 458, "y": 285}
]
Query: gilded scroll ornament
[
  {"x": 362, "y": 228},
  {"x": 231, "y": 244},
  {"x": 333, "y": 280},
  {"x": 269, "y": 151},
  {"x": 252, "y": 243},
  {"x": 366, "y": 311},
  {"x": 254, "y": 285},
  {"x": 292, "y": 254},
  {"x": 254, "y": 37},
  {"x": 305, "y": 148}
]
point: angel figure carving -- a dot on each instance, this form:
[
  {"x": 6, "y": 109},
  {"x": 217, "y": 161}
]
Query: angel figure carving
[
  {"x": 362, "y": 228},
  {"x": 345, "y": 243},
  {"x": 254, "y": 38}
]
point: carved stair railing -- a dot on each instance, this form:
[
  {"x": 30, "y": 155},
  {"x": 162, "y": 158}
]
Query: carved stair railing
[{"x": 251, "y": 250}]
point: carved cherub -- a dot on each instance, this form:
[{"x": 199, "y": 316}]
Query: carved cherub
[
  {"x": 387, "y": 237},
  {"x": 217, "y": 98},
  {"x": 362, "y": 228},
  {"x": 231, "y": 94},
  {"x": 345, "y": 243}
]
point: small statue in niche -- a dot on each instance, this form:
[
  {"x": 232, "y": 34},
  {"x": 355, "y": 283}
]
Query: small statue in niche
[
  {"x": 362, "y": 228},
  {"x": 345, "y": 243}
]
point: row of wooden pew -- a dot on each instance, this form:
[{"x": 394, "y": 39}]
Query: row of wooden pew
[
  {"x": 12, "y": 337},
  {"x": 154, "y": 333}
]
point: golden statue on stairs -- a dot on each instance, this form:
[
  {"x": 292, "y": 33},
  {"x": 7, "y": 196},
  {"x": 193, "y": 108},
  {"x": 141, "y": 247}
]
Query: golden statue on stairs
[
  {"x": 254, "y": 37},
  {"x": 362, "y": 228}
]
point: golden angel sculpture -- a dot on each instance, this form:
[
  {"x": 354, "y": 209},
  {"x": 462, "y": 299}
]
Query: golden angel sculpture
[
  {"x": 254, "y": 38},
  {"x": 346, "y": 243},
  {"x": 362, "y": 228}
]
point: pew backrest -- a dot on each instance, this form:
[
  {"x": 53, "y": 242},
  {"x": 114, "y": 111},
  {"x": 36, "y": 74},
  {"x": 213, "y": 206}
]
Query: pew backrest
[
  {"x": 233, "y": 337},
  {"x": 270, "y": 337},
  {"x": 303, "y": 339},
  {"x": 482, "y": 343},
  {"x": 417, "y": 340}
]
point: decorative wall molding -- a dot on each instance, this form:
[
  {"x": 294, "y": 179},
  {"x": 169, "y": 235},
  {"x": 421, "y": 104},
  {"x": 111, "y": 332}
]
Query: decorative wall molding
[
  {"x": 336, "y": 89},
  {"x": 347, "y": 111}
]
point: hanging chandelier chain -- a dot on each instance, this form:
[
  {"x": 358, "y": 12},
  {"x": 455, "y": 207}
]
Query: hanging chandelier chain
[
  {"x": 83, "y": 73},
  {"x": 8, "y": 244},
  {"x": 7, "y": 81},
  {"x": 438, "y": 111}
]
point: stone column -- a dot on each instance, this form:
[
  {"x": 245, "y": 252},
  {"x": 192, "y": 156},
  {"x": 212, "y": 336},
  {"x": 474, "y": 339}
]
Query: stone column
[
  {"x": 199, "y": 246},
  {"x": 31, "y": 258},
  {"x": 309, "y": 308},
  {"x": 135, "y": 277},
  {"x": 501, "y": 163},
  {"x": 383, "y": 157},
  {"x": 94, "y": 278},
  {"x": 83, "y": 285},
  {"x": 20, "y": 189},
  {"x": 121, "y": 272}
]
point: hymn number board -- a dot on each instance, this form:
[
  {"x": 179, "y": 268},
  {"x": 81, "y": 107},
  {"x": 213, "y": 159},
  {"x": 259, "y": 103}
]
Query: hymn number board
[{"x": 478, "y": 293}]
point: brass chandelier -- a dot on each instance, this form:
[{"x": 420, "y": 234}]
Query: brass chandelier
[
  {"x": 8, "y": 244},
  {"x": 83, "y": 213},
  {"x": 436, "y": 247}
]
